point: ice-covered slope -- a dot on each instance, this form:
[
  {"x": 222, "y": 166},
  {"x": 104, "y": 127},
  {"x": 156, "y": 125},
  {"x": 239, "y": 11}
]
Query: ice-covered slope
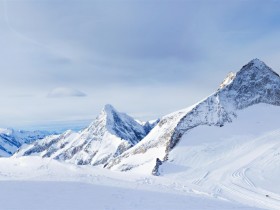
[
  {"x": 108, "y": 136},
  {"x": 11, "y": 140},
  {"x": 255, "y": 83}
]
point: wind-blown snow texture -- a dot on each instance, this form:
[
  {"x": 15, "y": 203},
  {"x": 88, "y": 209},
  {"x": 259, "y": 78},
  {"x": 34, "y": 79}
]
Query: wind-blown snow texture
[
  {"x": 108, "y": 136},
  {"x": 255, "y": 83},
  {"x": 11, "y": 140}
]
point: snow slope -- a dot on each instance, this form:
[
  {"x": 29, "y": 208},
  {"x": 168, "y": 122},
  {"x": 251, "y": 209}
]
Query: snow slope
[
  {"x": 254, "y": 84},
  {"x": 239, "y": 161},
  {"x": 108, "y": 136},
  {"x": 31, "y": 183},
  {"x": 11, "y": 140}
]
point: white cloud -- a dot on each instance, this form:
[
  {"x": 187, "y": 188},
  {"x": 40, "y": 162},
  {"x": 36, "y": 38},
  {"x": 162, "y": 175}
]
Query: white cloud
[{"x": 61, "y": 92}]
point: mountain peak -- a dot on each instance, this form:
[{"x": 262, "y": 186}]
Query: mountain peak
[
  {"x": 108, "y": 108},
  {"x": 257, "y": 63},
  {"x": 119, "y": 124},
  {"x": 257, "y": 66},
  {"x": 253, "y": 72},
  {"x": 108, "y": 113},
  {"x": 254, "y": 83},
  {"x": 254, "y": 66}
]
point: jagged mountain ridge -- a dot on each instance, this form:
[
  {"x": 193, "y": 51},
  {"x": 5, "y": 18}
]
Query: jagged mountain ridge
[
  {"x": 255, "y": 83},
  {"x": 108, "y": 136},
  {"x": 11, "y": 140}
]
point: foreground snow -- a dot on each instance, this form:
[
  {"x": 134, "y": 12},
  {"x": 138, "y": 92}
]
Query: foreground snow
[{"x": 33, "y": 183}]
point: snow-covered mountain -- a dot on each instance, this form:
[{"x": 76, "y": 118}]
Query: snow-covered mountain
[
  {"x": 225, "y": 147},
  {"x": 108, "y": 136},
  {"x": 254, "y": 85},
  {"x": 11, "y": 140}
]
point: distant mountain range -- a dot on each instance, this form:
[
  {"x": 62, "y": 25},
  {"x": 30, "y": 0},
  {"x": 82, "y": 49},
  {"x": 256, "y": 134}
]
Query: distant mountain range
[{"x": 11, "y": 140}]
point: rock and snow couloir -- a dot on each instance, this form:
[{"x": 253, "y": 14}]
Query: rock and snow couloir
[
  {"x": 254, "y": 84},
  {"x": 108, "y": 136}
]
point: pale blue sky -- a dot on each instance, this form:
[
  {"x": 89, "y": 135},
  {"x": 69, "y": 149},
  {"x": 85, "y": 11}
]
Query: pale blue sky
[{"x": 146, "y": 58}]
